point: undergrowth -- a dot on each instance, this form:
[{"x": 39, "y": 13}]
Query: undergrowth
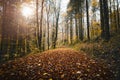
[{"x": 108, "y": 52}]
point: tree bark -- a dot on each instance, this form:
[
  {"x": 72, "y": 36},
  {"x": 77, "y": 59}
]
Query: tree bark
[
  {"x": 37, "y": 20},
  {"x": 118, "y": 17},
  {"x": 104, "y": 20},
  {"x": 41, "y": 19},
  {"x": 88, "y": 25},
  {"x": 71, "y": 30}
]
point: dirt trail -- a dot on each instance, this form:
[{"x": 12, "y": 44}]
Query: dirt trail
[{"x": 58, "y": 64}]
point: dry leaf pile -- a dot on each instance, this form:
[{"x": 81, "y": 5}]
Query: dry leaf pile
[{"x": 58, "y": 64}]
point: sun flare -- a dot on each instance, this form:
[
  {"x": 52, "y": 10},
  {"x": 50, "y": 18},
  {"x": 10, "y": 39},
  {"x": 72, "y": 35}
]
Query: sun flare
[{"x": 27, "y": 11}]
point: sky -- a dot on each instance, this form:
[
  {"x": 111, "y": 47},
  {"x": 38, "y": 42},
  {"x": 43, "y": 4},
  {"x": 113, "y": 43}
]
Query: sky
[{"x": 64, "y": 4}]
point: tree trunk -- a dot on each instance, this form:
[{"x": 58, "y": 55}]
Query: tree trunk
[
  {"x": 57, "y": 25},
  {"x": 80, "y": 29},
  {"x": 76, "y": 28},
  {"x": 37, "y": 19},
  {"x": 48, "y": 10},
  {"x": 115, "y": 17},
  {"x": 71, "y": 31},
  {"x": 118, "y": 17},
  {"x": 104, "y": 20},
  {"x": 87, "y": 13},
  {"x": 41, "y": 19},
  {"x": 111, "y": 21}
]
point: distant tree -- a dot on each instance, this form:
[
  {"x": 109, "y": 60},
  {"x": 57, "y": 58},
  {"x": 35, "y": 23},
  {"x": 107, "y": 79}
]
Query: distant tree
[
  {"x": 71, "y": 30},
  {"x": 75, "y": 8},
  {"x": 95, "y": 24}
]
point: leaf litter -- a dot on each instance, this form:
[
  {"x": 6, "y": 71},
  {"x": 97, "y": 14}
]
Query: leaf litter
[{"x": 58, "y": 64}]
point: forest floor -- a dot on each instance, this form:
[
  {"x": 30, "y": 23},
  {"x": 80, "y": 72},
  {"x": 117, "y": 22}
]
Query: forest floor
[
  {"x": 106, "y": 52},
  {"x": 58, "y": 64}
]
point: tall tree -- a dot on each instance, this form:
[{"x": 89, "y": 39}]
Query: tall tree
[
  {"x": 105, "y": 34},
  {"x": 41, "y": 24},
  {"x": 48, "y": 24},
  {"x": 71, "y": 29},
  {"x": 37, "y": 20},
  {"x": 87, "y": 13},
  {"x": 118, "y": 14},
  {"x": 80, "y": 3},
  {"x": 115, "y": 15},
  {"x": 57, "y": 16}
]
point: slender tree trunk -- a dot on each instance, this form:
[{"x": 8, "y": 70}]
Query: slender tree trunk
[
  {"x": 62, "y": 36},
  {"x": 71, "y": 31},
  {"x": 5, "y": 21},
  {"x": 80, "y": 28},
  {"x": 56, "y": 33},
  {"x": 44, "y": 35},
  {"x": 48, "y": 32},
  {"x": 17, "y": 41},
  {"x": 76, "y": 28},
  {"x": 110, "y": 13},
  {"x": 106, "y": 22},
  {"x": 118, "y": 17},
  {"x": 87, "y": 13},
  {"x": 102, "y": 19},
  {"x": 57, "y": 25},
  {"x": 37, "y": 19},
  {"x": 76, "y": 21},
  {"x": 48, "y": 11},
  {"x": 80, "y": 22},
  {"x": 41, "y": 20},
  {"x": 53, "y": 32},
  {"x": 2, "y": 29},
  {"x": 67, "y": 32},
  {"x": 115, "y": 17}
]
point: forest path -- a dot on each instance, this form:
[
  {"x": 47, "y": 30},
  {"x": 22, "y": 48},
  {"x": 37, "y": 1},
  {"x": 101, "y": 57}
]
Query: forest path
[{"x": 58, "y": 64}]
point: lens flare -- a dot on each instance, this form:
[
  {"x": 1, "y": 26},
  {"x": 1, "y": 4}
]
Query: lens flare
[{"x": 26, "y": 10}]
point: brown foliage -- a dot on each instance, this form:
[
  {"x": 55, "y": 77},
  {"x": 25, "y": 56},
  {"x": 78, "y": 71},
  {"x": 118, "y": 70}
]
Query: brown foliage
[{"x": 59, "y": 64}]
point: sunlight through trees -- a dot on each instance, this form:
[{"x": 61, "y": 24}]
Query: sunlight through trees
[
  {"x": 26, "y": 11},
  {"x": 34, "y": 26}
]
